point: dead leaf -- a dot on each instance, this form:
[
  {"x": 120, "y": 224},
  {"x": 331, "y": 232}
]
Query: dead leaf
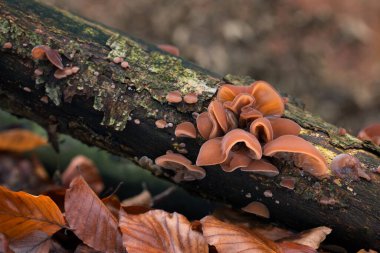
[
  {"x": 112, "y": 202},
  {"x": 35, "y": 242},
  {"x": 83, "y": 248},
  {"x": 90, "y": 219},
  {"x": 57, "y": 194},
  {"x": 142, "y": 199},
  {"x": 291, "y": 247},
  {"x": 22, "y": 213},
  {"x": 312, "y": 237},
  {"x": 160, "y": 232},
  {"x": 81, "y": 165},
  {"x": 4, "y": 245},
  {"x": 20, "y": 140},
  {"x": 228, "y": 238},
  {"x": 365, "y": 251}
]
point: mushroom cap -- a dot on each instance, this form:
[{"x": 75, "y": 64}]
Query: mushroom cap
[
  {"x": 307, "y": 156},
  {"x": 288, "y": 182},
  {"x": 371, "y": 133},
  {"x": 268, "y": 101},
  {"x": 185, "y": 129},
  {"x": 257, "y": 208},
  {"x": 228, "y": 92},
  {"x": 247, "y": 115},
  {"x": 235, "y": 160},
  {"x": 283, "y": 126},
  {"x": 262, "y": 129},
  {"x": 204, "y": 125},
  {"x": 240, "y": 101},
  {"x": 160, "y": 123},
  {"x": 174, "y": 97},
  {"x": 217, "y": 110},
  {"x": 348, "y": 167},
  {"x": 39, "y": 52},
  {"x": 216, "y": 151},
  {"x": 182, "y": 166},
  {"x": 190, "y": 98},
  {"x": 169, "y": 49},
  {"x": 262, "y": 168}
]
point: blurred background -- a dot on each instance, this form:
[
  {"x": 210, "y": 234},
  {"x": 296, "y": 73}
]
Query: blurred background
[{"x": 326, "y": 52}]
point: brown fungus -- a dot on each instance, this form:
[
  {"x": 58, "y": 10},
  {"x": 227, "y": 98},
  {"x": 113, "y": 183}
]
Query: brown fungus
[
  {"x": 185, "y": 129},
  {"x": 190, "y": 98},
  {"x": 371, "y": 133},
  {"x": 169, "y": 49},
  {"x": 262, "y": 168},
  {"x": 124, "y": 65},
  {"x": 288, "y": 182},
  {"x": 283, "y": 126},
  {"x": 306, "y": 155},
  {"x": 348, "y": 167},
  {"x": 184, "y": 170},
  {"x": 262, "y": 129},
  {"x": 7, "y": 45},
  {"x": 39, "y": 53},
  {"x": 160, "y": 123},
  {"x": 258, "y": 209},
  {"x": 174, "y": 97}
]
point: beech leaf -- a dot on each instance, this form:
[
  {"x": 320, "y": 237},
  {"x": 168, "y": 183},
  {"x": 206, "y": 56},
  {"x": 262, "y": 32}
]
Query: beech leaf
[
  {"x": 81, "y": 165},
  {"x": 22, "y": 213},
  {"x": 157, "y": 231},
  {"x": 229, "y": 238},
  {"x": 312, "y": 237},
  {"x": 20, "y": 140},
  {"x": 291, "y": 247},
  {"x": 142, "y": 199},
  {"x": 90, "y": 219},
  {"x": 35, "y": 242}
]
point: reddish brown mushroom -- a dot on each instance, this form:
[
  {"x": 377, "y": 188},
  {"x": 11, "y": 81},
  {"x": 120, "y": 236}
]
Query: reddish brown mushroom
[
  {"x": 228, "y": 92},
  {"x": 262, "y": 129},
  {"x": 184, "y": 170},
  {"x": 371, "y": 133},
  {"x": 169, "y": 49},
  {"x": 240, "y": 101},
  {"x": 7, "y": 45},
  {"x": 174, "y": 97},
  {"x": 247, "y": 115},
  {"x": 160, "y": 123},
  {"x": 348, "y": 167},
  {"x": 257, "y": 208},
  {"x": 268, "y": 101},
  {"x": 283, "y": 126},
  {"x": 288, "y": 182},
  {"x": 306, "y": 155},
  {"x": 217, "y": 150},
  {"x": 190, "y": 98},
  {"x": 204, "y": 125},
  {"x": 217, "y": 110},
  {"x": 39, "y": 53},
  {"x": 235, "y": 160},
  {"x": 262, "y": 168},
  {"x": 185, "y": 129}
]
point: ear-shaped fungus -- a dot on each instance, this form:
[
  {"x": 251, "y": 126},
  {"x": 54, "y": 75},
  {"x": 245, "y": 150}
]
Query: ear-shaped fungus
[
  {"x": 228, "y": 92},
  {"x": 371, "y": 133},
  {"x": 307, "y": 156},
  {"x": 39, "y": 52},
  {"x": 216, "y": 151},
  {"x": 268, "y": 101},
  {"x": 348, "y": 167},
  {"x": 182, "y": 166},
  {"x": 257, "y": 208},
  {"x": 185, "y": 129},
  {"x": 235, "y": 160},
  {"x": 240, "y": 101},
  {"x": 262, "y": 129},
  {"x": 283, "y": 126},
  {"x": 262, "y": 168}
]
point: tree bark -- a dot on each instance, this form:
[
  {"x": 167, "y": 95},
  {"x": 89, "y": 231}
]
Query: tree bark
[{"x": 116, "y": 109}]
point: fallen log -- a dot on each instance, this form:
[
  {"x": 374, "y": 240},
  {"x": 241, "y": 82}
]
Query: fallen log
[{"x": 116, "y": 109}]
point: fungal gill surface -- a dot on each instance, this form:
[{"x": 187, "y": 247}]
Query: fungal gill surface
[{"x": 243, "y": 127}]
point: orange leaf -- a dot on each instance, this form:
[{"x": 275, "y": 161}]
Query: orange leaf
[
  {"x": 22, "y": 213},
  {"x": 81, "y": 165},
  {"x": 112, "y": 202},
  {"x": 142, "y": 199},
  {"x": 4, "y": 245},
  {"x": 90, "y": 219},
  {"x": 160, "y": 232},
  {"x": 231, "y": 238},
  {"x": 20, "y": 140},
  {"x": 291, "y": 247}
]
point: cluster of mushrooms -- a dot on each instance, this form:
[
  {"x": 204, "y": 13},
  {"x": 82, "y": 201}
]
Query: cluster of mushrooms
[{"x": 242, "y": 128}]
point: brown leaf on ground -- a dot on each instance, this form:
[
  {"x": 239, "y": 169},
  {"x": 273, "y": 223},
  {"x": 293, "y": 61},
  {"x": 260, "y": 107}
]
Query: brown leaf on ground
[
  {"x": 160, "y": 232},
  {"x": 291, "y": 247},
  {"x": 83, "y": 248},
  {"x": 90, "y": 219},
  {"x": 112, "y": 202},
  {"x": 4, "y": 245},
  {"x": 312, "y": 237},
  {"x": 81, "y": 165},
  {"x": 57, "y": 194},
  {"x": 142, "y": 199},
  {"x": 35, "y": 242},
  {"x": 22, "y": 213},
  {"x": 20, "y": 140},
  {"x": 228, "y": 238}
]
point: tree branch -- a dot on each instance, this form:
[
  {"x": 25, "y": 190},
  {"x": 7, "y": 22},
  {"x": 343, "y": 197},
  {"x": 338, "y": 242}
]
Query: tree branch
[{"x": 100, "y": 103}]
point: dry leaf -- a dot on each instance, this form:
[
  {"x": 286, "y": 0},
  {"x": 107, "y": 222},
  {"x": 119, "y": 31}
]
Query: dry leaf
[
  {"x": 365, "y": 251},
  {"x": 57, "y": 194},
  {"x": 83, "y": 248},
  {"x": 22, "y": 213},
  {"x": 35, "y": 242},
  {"x": 20, "y": 140},
  {"x": 113, "y": 204},
  {"x": 312, "y": 237},
  {"x": 4, "y": 245},
  {"x": 291, "y": 247},
  {"x": 142, "y": 199},
  {"x": 81, "y": 165},
  {"x": 228, "y": 238},
  {"x": 90, "y": 219},
  {"x": 160, "y": 232}
]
